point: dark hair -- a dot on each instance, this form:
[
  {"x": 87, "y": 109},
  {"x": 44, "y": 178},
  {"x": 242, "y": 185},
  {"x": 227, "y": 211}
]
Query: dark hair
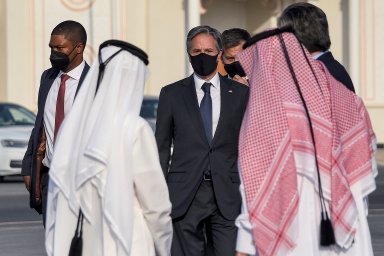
[
  {"x": 310, "y": 25},
  {"x": 72, "y": 30},
  {"x": 233, "y": 37},
  {"x": 203, "y": 30}
]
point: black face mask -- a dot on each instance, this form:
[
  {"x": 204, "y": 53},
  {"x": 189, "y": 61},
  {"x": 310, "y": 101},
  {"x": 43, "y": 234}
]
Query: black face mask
[
  {"x": 234, "y": 68},
  {"x": 203, "y": 64},
  {"x": 60, "y": 60}
]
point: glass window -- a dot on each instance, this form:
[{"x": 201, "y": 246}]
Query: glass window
[
  {"x": 149, "y": 108},
  {"x": 15, "y": 115}
]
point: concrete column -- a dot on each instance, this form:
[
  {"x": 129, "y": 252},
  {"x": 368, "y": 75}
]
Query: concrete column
[
  {"x": 354, "y": 41},
  {"x": 192, "y": 20},
  {"x": 3, "y": 52}
]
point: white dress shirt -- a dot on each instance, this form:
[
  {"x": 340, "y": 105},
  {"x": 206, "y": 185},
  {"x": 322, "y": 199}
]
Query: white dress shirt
[
  {"x": 318, "y": 55},
  {"x": 50, "y": 106},
  {"x": 244, "y": 243},
  {"x": 215, "y": 95}
]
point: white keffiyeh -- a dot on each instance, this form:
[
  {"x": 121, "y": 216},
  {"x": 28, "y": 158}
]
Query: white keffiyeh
[{"x": 89, "y": 153}]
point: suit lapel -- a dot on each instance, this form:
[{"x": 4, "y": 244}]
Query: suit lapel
[
  {"x": 83, "y": 74},
  {"x": 192, "y": 105},
  {"x": 225, "y": 98},
  {"x": 48, "y": 84}
]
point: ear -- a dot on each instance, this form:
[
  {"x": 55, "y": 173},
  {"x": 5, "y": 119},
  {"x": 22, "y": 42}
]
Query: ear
[
  {"x": 80, "y": 48},
  {"x": 219, "y": 55}
]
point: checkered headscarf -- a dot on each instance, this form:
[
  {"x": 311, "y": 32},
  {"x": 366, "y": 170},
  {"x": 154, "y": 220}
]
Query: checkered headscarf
[{"x": 276, "y": 127}]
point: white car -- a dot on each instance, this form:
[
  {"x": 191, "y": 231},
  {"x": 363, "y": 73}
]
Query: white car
[{"x": 16, "y": 123}]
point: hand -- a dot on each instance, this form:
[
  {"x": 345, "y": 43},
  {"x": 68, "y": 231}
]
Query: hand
[
  {"x": 241, "y": 254},
  {"x": 27, "y": 182},
  {"x": 241, "y": 80}
]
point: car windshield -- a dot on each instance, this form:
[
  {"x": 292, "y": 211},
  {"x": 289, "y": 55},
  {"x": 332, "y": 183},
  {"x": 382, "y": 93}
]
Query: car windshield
[
  {"x": 149, "y": 108},
  {"x": 15, "y": 115}
]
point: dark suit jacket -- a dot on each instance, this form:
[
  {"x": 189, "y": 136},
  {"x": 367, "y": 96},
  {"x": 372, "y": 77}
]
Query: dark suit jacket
[
  {"x": 337, "y": 70},
  {"x": 29, "y": 161},
  {"x": 179, "y": 122}
]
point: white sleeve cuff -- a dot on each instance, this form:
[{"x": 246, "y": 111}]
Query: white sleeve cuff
[{"x": 245, "y": 242}]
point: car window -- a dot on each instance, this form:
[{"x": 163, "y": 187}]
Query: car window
[
  {"x": 15, "y": 115},
  {"x": 149, "y": 108}
]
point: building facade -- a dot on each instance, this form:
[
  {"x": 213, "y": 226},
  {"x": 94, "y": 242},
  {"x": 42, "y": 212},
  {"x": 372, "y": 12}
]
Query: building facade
[{"x": 160, "y": 26}]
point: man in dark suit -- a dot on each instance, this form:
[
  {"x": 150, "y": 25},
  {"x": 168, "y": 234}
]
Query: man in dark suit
[
  {"x": 200, "y": 116},
  {"x": 233, "y": 40},
  {"x": 310, "y": 25},
  {"x": 58, "y": 88}
]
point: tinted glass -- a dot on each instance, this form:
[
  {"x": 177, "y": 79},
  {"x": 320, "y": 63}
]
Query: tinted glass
[
  {"x": 15, "y": 115},
  {"x": 149, "y": 108}
]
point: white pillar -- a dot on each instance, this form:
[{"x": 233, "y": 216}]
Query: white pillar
[
  {"x": 193, "y": 20},
  {"x": 354, "y": 43}
]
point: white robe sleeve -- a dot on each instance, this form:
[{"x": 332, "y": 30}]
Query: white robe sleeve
[
  {"x": 245, "y": 243},
  {"x": 151, "y": 189}
]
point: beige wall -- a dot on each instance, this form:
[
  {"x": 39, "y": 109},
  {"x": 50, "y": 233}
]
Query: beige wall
[
  {"x": 371, "y": 87},
  {"x": 166, "y": 37},
  {"x": 3, "y": 52},
  {"x": 225, "y": 14},
  {"x": 20, "y": 81},
  {"x": 335, "y": 11},
  {"x": 261, "y": 15},
  {"x": 27, "y": 25},
  {"x": 159, "y": 28}
]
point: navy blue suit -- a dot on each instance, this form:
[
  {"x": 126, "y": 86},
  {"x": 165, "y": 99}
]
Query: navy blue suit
[
  {"x": 215, "y": 202},
  {"x": 29, "y": 160},
  {"x": 337, "y": 70}
]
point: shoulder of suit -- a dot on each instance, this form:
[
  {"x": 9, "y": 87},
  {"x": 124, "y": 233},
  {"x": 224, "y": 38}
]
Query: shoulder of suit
[
  {"x": 178, "y": 84},
  {"x": 49, "y": 73},
  {"x": 86, "y": 67},
  {"x": 232, "y": 83}
]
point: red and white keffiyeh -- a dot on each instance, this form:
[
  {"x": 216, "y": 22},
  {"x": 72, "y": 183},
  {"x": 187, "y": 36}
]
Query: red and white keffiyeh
[{"x": 275, "y": 127}]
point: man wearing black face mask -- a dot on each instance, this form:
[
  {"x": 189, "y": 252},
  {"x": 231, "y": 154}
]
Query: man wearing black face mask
[
  {"x": 233, "y": 41},
  {"x": 58, "y": 88},
  {"x": 201, "y": 117}
]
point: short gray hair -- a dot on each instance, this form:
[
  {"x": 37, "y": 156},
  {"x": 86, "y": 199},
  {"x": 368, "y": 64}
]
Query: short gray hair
[{"x": 204, "y": 30}]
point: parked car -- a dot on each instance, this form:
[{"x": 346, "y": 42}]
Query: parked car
[
  {"x": 149, "y": 110},
  {"x": 16, "y": 123}
]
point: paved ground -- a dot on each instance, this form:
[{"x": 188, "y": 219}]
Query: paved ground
[
  {"x": 21, "y": 229},
  {"x": 376, "y": 212},
  {"x": 22, "y": 234}
]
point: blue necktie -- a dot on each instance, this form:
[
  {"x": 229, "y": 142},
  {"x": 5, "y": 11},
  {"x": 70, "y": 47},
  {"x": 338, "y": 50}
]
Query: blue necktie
[{"x": 206, "y": 110}]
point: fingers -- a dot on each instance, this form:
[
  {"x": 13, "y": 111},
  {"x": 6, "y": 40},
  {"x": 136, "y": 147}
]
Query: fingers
[
  {"x": 38, "y": 200},
  {"x": 241, "y": 254},
  {"x": 240, "y": 79},
  {"x": 27, "y": 182}
]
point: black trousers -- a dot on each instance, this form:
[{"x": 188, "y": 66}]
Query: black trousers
[{"x": 203, "y": 231}]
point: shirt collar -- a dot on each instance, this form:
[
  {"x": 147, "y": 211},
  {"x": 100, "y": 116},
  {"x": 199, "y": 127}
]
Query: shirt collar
[
  {"x": 76, "y": 72},
  {"x": 215, "y": 81},
  {"x": 318, "y": 55}
]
